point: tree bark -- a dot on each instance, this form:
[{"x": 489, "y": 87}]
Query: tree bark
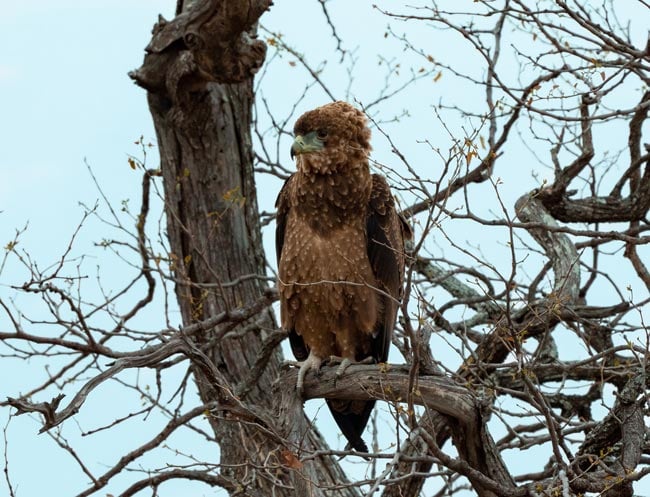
[{"x": 199, "y": 75}]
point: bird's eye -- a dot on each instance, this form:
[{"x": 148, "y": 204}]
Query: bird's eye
[{"x": 321, "y": 134}]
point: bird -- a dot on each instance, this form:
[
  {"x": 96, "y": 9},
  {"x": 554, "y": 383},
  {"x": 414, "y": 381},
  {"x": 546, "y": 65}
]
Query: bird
[{"x": 340, "y": 253}]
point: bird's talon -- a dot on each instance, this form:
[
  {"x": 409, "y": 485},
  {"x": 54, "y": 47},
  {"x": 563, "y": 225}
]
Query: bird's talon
[
  {"x": 312, "y": 362},
  {"x": 334, "y": 359},
  {"x": 342, "y": 367}
]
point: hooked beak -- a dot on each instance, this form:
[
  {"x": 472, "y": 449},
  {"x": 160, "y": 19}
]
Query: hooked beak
[{"x": 306, "y": 144}]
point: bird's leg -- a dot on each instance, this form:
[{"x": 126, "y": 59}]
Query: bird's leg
[
  {"x": 312, "y": 362},
  {"x": 345, "y": 362}
]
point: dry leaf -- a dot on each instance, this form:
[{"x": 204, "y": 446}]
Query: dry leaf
[{"x": 290, "y": 460}]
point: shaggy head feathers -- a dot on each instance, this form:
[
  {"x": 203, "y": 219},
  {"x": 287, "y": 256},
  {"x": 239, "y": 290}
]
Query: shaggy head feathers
[{"x": 345, "y": 134}]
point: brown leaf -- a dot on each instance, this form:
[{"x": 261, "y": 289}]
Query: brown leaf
[{"x": 290, "y": 460}]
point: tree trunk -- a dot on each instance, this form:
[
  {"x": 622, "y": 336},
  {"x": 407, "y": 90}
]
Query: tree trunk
[{"x": 200, "y": 94}]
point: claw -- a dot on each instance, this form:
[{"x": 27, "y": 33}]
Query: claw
[
  {"x": 312, "y": 362},
  {"x": 342, "y": 367},
  {"x": 334, "y": 359},
  {"x": 344, "y": 363}
]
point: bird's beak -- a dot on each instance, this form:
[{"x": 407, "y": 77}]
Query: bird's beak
[{"x": 306, "y": 144}]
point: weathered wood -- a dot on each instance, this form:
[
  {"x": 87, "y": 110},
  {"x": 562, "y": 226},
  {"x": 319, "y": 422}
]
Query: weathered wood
[
  {"x": 559, "y": 249},
  {"x": 460, "y": 406},
  {"x": 198, "y": 72},
  {"x": 388, "y": 382}
]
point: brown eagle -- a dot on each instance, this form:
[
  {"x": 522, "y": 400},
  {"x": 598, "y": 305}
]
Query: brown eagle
[{"x": 340, "y": 249}]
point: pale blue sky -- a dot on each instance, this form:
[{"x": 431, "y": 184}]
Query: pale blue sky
[{"x": 65, "y": 96}]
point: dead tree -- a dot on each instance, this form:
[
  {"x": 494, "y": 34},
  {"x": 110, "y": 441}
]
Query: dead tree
[{"x": 502, "y": 326}]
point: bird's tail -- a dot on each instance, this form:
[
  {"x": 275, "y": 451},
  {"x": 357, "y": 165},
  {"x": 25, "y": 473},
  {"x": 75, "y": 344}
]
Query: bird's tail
[{"x": 352, "y": 417}]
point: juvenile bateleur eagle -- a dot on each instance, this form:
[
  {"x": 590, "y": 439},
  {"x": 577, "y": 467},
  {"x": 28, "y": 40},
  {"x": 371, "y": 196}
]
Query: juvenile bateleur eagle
[{"x": 340, "y": 249}]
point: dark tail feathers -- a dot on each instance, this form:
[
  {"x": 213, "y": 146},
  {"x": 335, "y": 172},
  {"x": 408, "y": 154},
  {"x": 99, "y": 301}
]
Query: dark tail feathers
[{"x": 352, "y": 417}]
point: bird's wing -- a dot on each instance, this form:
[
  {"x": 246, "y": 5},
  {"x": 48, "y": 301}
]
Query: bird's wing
[
  {"x": 385, "y": 231},
  {"x": 298, "y": 346}
]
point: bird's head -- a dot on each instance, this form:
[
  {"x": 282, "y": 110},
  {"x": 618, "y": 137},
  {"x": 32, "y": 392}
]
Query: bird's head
[{"x": 330, "y": 136}]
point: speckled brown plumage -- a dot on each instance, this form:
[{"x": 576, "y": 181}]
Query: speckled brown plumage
[{"x": 340, "y": 247}]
